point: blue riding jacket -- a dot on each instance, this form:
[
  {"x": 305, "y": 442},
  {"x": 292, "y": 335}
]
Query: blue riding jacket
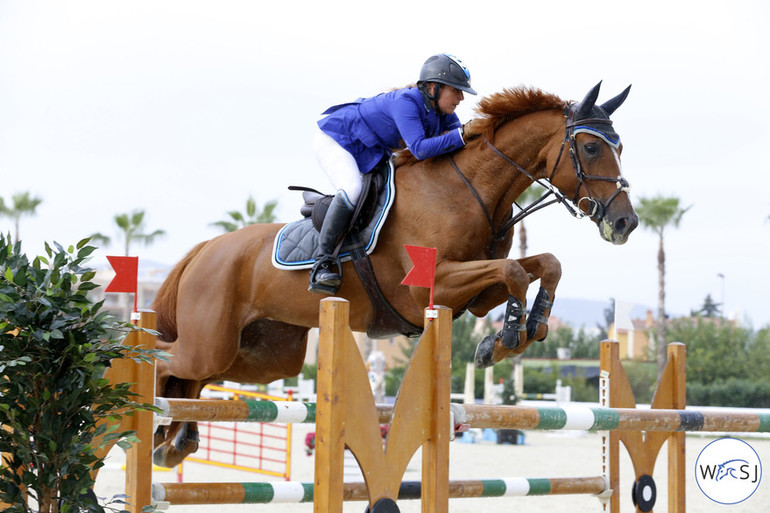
[{"x": 371, "y": 128}]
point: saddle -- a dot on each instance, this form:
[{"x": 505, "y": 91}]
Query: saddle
[{"x": 296, "y": 244}]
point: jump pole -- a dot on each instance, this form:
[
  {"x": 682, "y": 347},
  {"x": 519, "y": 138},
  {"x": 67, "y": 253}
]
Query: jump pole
[
  {"x": 566, "y": 417},
  {"x": 421, "y": 416},
  {"x": 297, "y": 492}
]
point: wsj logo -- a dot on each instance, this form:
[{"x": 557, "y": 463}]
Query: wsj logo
[
  {"x": 735, "y": 469},
  {"x": 728, "y": 470}
]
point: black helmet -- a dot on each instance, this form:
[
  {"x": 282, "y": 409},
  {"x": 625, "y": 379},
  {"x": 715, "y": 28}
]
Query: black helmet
[{"x": 447, "y": 69}]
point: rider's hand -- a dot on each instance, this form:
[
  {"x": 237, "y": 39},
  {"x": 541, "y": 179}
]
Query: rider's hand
[{"x": 471, "y": 129}]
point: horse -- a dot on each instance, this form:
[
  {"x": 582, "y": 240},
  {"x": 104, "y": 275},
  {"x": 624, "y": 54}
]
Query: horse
[{"x": 226, "y": 313}]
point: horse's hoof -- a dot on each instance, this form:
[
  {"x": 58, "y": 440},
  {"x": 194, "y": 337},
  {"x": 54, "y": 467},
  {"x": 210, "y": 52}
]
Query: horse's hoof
[
  {"x": 186, "y": 440},
  {"x": 159, "y": 457},
  {"x": 485, "y": 352}
]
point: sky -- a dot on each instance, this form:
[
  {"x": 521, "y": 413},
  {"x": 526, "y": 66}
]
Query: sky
[{"x": 185, "y": 108}]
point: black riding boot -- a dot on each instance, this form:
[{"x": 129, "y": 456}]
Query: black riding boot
[{"x": 324, "y": 277}]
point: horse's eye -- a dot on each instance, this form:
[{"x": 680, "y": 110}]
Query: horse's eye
[{"x": 591, "y": 148}]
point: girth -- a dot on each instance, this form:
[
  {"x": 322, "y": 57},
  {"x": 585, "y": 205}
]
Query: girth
[{"x": 386, "y": 321}]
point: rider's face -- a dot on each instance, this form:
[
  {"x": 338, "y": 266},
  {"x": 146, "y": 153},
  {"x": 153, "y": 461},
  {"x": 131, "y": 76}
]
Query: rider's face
[{"x": 449, "y": 98}]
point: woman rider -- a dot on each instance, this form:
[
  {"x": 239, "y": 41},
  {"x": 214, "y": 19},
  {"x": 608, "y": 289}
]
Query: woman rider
[{"x": 354, "y": 137}]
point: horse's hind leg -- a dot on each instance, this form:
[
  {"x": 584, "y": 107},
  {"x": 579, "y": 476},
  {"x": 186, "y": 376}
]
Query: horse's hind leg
[{"x": 175, "y": 442}]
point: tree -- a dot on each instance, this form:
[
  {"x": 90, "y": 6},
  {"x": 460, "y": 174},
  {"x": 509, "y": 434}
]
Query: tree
[
  {"x": 656, "y": 214},
  {"x": 709, "y": 309},
  {"x": 54, "y": 403},
  {"x": 23, "y": 205},
  {"x": 253, "y": 216},
  {"x": 132, "y": 230},
  {"x": 532, "y": 193},
  {"x": 609, "y": 319}
]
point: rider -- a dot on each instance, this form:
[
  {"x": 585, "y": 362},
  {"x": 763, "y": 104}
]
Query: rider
[{"x": 355, "y": 136}]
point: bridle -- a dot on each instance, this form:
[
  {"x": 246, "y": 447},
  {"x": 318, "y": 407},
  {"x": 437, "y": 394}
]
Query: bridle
[{"x": 596, "y": 210}]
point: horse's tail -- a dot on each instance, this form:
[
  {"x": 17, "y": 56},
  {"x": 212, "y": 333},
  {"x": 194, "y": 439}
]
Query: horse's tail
[{"x": 165, "y": 302}]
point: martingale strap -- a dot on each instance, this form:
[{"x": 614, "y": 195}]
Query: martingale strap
[{"x": 386, "y": 321}]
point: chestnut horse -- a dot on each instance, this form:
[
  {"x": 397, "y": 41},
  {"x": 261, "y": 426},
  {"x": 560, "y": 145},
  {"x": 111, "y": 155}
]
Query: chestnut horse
[{"x": 226, "y": 313}]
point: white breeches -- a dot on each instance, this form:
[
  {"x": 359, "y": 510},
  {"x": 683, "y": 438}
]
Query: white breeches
[{"x": 339, "y": 166}]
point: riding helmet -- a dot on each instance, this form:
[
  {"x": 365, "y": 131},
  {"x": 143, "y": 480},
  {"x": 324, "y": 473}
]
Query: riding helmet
[{"x": 447, "y": 69}]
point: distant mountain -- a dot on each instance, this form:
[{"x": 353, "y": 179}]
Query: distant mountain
[
  {"x": 587, "y": 313},
  {"x": 580, "y": 312}
]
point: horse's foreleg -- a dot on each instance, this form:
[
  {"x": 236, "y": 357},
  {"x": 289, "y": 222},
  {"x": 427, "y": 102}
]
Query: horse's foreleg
[
  {"x": 494, "y": 348},
  {"x": 486, "y": 284},
  {"x": 489, "y": 283},
  {"x": 547, "y": 269},
  {"x": 482, "y": 283}
]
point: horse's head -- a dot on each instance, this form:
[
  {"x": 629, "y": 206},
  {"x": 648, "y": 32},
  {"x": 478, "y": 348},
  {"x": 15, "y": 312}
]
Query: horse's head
[{"x": 589, "y": 173}]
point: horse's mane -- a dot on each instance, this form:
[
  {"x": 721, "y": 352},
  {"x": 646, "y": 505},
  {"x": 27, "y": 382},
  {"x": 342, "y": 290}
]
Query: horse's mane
[{"x": 497, "y": 108}]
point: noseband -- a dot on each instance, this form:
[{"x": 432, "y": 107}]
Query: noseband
[{"x": 595, "y": 209}]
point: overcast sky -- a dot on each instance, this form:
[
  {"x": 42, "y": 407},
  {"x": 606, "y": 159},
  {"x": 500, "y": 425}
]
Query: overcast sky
[{"x": 185, "y": 108}]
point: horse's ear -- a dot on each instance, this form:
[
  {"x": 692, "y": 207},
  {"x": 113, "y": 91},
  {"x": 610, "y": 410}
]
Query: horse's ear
[
  {"x": 584, "y": 108},
  {"x": 612, "y": 105}
]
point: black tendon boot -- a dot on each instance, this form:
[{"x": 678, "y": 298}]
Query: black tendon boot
[
  {"x": 324, "y": 277},
  {"x": 512, "y": 326},
  {"x": 537, "y": 316}
]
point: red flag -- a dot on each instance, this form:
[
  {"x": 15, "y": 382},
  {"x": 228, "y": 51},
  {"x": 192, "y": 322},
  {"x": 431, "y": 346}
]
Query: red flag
[
  {"x": 423, "y": 274},
  {"x": 126, "y": 272}
]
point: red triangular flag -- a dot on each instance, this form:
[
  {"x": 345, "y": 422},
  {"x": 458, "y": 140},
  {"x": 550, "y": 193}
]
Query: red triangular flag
[
  {"x": 126, "y": 271},
  {"x": 423, "y": 274},
  {"x": 126, "y": 275}
]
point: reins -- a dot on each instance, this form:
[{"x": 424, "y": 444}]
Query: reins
[{"x": 572, "y": 205}]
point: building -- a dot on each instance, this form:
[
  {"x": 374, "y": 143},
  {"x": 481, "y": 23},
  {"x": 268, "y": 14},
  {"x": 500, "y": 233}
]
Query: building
[{"x": 635, "y": 344}]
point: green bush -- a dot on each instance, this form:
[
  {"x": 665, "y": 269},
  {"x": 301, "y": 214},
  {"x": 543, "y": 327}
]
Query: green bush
[
  {"x": 734, "y": 392},
  {"x": 642, "y": 376},
  {"x": 393, "y": 378},
  {"x": 55, "y": 346},
  {"x": 540, "y": 380}
]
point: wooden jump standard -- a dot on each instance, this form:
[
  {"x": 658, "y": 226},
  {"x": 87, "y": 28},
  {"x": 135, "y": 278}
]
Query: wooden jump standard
[{"x": 427, "y": 421}]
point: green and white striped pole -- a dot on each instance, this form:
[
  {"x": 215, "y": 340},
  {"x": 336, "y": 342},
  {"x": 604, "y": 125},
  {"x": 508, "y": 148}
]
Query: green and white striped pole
[
  {"x": 296, "y": 492},
  {"x": 571, "y": 416}
]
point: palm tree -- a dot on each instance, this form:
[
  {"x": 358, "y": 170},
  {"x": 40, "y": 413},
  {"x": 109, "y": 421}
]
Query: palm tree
[
  {"x": 23, "y": 205},
  {"x": 253, "y": 216},
  {"x": 656, "y": 214},
  {"x": 529, "y": 195},
  {"x": 132, "y": 230}
]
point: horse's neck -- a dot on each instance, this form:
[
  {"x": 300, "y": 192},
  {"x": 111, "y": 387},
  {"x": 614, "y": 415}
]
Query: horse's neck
[{"x": 525, "y": 141}]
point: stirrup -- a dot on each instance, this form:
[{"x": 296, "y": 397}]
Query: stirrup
[{"x": 325, "y": 262}]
